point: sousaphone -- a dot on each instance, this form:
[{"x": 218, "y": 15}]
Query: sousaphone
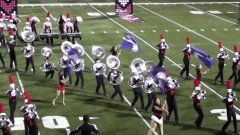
[
  {"x": 137, "y": 65},
  {"x": 113, "y": 62},
  {"x": 98, "y": 52},
  {"x": 28, "y": 36},
  {"x": 66, "y": 47},
  {"x": 46, "y": 52}
]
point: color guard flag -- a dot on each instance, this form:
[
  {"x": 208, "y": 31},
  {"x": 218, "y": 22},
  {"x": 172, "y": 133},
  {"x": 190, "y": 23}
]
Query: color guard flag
[
  {"x": 202, "y": 56},
  {"x": 159, "y": 74},
  {"x": 130, "y": 43}
]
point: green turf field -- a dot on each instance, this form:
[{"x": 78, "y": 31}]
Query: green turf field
[{"x": 116, "y": 118}]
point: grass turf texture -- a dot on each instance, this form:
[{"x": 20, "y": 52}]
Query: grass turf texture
[{"x": 114, "y": 117}]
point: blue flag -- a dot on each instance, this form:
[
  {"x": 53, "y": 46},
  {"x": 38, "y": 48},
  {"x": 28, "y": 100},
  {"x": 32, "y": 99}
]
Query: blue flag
[
  {"x": 130, "y": 43},
  {"x": 205, "y": 58},
  {"x": 159, "y": 74}
]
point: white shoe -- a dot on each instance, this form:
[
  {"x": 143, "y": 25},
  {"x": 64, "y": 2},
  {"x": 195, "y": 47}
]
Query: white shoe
[{"x": 67, "y": 131}]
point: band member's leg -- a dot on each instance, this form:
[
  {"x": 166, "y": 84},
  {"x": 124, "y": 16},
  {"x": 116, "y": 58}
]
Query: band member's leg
[
  {"x": 52, "y": 73},
  {"x": 115, "y": 91},
  {"x": 234, "y": 120},
  {"x": 103, "y": 85},
  {"x": 47, "y": 73},
  {"x": 47, "y": 39},
  {"x": 119, "y": 91},
  {"x": 187, "y": 69},
  {"x": 26, "y": 126},
  {"x": 221, "y": 74},
  {"x": 51, "y": 39},
  {"x": 141, "y": 99},
  {"x": 27, "y": 64},
  {"x": 73, "y": 40},
  {"x": 55, "y": 98},
  {"x": 198, "y": 121},
  {"x": 11, "y": 63},
  {"x": 1, "y": 58},
  {"x": 82, "y": 79},
  {"x": 152, "y": 128},
  {"x": 135, "y": 96},
  {"x": 63, "y": 97},
  {"x": 77, "y": 78},
  {"x": 12, "y": 111},
  {"x": 184, "y": 68},
  {"x": 175, "y": 110},
  {"x": 228, "y": 121},
  {"x": 170, "y": 109},
  {"x": 15, "y": 61},
  {"x": 149, "y": 101},
  {"x": 70, "y": 78},
  {"x": 32, "y": 63},
  {"x": 98, "y": 84}
]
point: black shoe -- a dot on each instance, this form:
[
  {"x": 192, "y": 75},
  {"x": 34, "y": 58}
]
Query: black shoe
[{"x": 106, "y": 95}]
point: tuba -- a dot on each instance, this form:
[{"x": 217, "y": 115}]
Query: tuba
[
  {"x": 115, "y": 77},
  {"x": 137, "y": 65},
  {"x": 46, "y": 52},
  {"x": 98, "y": 52},
  {"x": 45, "y": 68},
  {"x": 149, "y": 66},
  {"x": 136, "y": 80},
  {"x": 113, "y": 62},
  {"x": 28, "y": 51},
  {"x": 66, "y": 46},
  {"x": 28, "y": 36},
  {"x": 78, "y": 50}
]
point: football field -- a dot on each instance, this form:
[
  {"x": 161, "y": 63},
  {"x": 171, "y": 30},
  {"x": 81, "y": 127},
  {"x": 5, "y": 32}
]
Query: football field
[{"x": 204, "y": 23}]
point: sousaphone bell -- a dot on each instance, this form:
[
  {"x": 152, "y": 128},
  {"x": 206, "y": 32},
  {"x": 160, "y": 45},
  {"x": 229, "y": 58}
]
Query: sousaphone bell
[
  {"x": 98, "y": 52},
  {"x": 28, "y": 36}
]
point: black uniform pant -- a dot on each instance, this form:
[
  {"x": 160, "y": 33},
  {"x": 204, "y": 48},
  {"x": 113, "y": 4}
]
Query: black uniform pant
[
  {"x": 234, "y": 75},
  {"x": 50, "y": 72},
  {"x": 28, "y": 61},
  {"x": 138, "y": 93},
  {"x": 6, "y": 131},
  {"x": 26, "y": 126},
  {"x": 51, "y": 40},
  {"x": 79, "y": 74},
  {"x": 151, "y": 97},
  {"x": 12, "y": 106},
  {"x": 186, "y": 68},
  {"x": 61, "y": 29},
  {"x": 161, "y": 59},
  {"x": 117, "y": 90},
  {"x": 67, "y": 73},
  {"x": 172, "y": 106},
  {"x": 220, "y": 72},
  {"x": 33, "y": 129},
  {"x": 1, "y": 58},
  {"x": 231, "y": 115},
  {"x": 100, "y": 82},
  {"x": 34, "y": 30},
  {"x": 199, "y": 119},
  {"x": 71, "y": 38},
  {"x": 13, "y": 59}
]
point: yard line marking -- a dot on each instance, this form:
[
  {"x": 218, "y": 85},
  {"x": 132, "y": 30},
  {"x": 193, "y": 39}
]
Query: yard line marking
[
  {"x": 148, "y": 44},
  {"x": 233, "y": 4},
  {"x": 92, "y": 32},
  {"x": 104, "y": 32},
  {"x": 117, "y": 31},
  {"x": 188, "y": 29},
  {"x": 50, "y": 14},
  {"x": 214, "y": 29},
  {"x": 202, "y": 29},
  {"x": 212, "y": 15},
  {"x": 154, "y": 31},
  {"x": 112, "y": 4},
  {"x": 178, "y": 30},
  {"x": 142, "y": 31},
  {"x": 166, "y": 30},
  {"x": 226, "y": 29},
  {"x": 236, "y": 29}
]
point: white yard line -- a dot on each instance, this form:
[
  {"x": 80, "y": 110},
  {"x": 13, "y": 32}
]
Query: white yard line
[
  {"x": 190, "y": 30},
  {"x": 212, "y": 15},
  {"x": 111, "y": 4},
  {"x": 148, "y": 44},
  {"x": 233, "y": 4}
]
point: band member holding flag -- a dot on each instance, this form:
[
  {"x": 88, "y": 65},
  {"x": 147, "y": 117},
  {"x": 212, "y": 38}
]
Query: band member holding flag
[
  {"x": 235, "y": 63},
  {"x": 199, "y": 73},
  {"x": 47, "y": 27},
  {"x": 231, "y": 113},
  {"x": 221, "y": 60},
  {"x": 61, "y": 87},
  {"x": 115, "y": 51},
  {"x": 99, "y": 69},
  {"x": 171, "y": 86},
  {"x": 186, "y": 58},
  {"x": 162, "y": 46},
  {"x": 196, "y": 97},
  {"x": 157, "y": 117}
]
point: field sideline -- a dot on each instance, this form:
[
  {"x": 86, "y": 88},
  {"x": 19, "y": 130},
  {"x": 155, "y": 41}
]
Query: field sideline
[{"x": 107, "y": 31}]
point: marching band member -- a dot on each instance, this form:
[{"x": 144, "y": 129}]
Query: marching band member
[
  {"x": 28, "y": 51},
  {"x": 137, "y": 80},
  {"x": 196, "y": 97},
  {"x": 78, "y": 68},
  {"x": 115, "y": 51},
  {"x": 31, "y": 117},
  {"x": 112, "y": 78},
  {"x": 149, "y": 85},
  {"x": 75, "y": 26},
  {"x": 12, "y": 93},
  {"x": 162, "y": 46},
  {"x": 171, "y": 86},
  {"x": 5, "y": 124},
  {"x": 199, "y": 72},
  {"x": 11, "y": 49},
  {"x": 68, "y": 27},
  {"x": 47, "y": 27},
  {"x": 33, "y": 22},
  {"x": 3, "y": 28},
  {"x": 27, "y": 27},
  {"x": 231, "y": 114},
  {"x": 11, "y": 26},
  {"x": 221, "y": 59},
  {"x": 61, "y": 87},
  {"x": 61, "y": 24},
  {"x": 67, "y": 70},
  {"x": 157, "y": 117},
  {"x": 99, "y": 69},
  {"x": 49, "y": 68},
  {"x": 86, "y": 128},
  {"x": 235, "y": 63},
  {"x": 186, "y": 58}
]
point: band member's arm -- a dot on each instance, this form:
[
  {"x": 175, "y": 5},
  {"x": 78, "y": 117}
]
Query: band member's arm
[
  {"x": 205, "y": 72},
  {"x": 75, "y": 131}
]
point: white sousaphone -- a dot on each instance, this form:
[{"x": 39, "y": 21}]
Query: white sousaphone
[
  {"x": 46, "y": 52},
  {"x": 98, "y": 52},
  {"x": 113, "y": 62},
  {"x": 137, "y": 65},
  {"x": 148, "y": 66},
  {"x": 28, "y": 51},
  {"x": 66, "y": 46},
  {"x": 28, "y": 36}
]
